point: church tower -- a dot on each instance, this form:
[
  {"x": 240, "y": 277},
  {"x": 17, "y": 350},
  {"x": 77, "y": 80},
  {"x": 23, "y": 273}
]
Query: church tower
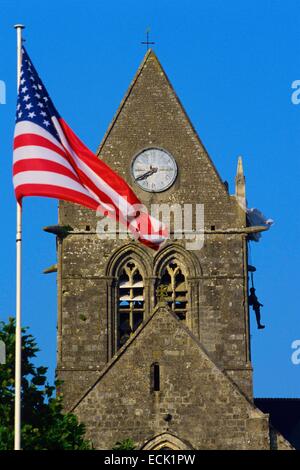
[{"x": 169, "y": 372}]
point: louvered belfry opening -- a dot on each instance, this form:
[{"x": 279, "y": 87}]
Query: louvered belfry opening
[
  {"x": 174, "y": 278},
  {"x": 131, "y": 301}
]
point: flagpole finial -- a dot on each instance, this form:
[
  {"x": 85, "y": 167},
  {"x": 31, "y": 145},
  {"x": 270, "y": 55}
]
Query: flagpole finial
[{"x": 19, "y": 25}]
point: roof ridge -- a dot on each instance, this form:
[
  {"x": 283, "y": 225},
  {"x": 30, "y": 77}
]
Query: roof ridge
[
  {"x": 118, "y": 354},
  {"x": 135, "y": 335},
  {"x": 126, "y": 96}
]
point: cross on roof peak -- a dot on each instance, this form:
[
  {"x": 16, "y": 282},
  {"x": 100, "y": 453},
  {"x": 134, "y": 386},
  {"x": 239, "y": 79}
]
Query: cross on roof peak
[{"x": 147, "y": 42}]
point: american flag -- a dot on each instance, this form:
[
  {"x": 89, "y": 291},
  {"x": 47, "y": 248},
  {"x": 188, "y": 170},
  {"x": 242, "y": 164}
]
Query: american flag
[{"x": 50, "y": 160}]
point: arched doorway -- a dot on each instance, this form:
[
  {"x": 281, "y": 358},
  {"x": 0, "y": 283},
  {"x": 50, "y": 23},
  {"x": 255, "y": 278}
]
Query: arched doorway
[{"x": 166, "y": 441}]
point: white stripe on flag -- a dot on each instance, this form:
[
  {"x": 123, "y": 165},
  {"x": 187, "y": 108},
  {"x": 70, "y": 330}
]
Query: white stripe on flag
[
  {"x": 27, "y": 127},
  {"x": 40, "y": 153},
  {"x": 49, "y": 178},
  {"x": 153, "y": 238}
]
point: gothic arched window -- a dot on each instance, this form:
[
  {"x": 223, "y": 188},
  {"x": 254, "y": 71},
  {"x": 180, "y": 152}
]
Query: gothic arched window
[
  {"x": 172, "y": 275},
  {"x": 130, "y": 302}
]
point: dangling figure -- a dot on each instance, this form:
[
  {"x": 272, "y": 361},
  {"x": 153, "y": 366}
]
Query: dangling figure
[{"x": 253, "y": 300}]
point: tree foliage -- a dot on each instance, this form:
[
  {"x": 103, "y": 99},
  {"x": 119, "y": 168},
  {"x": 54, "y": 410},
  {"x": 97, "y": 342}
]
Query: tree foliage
[
  {"x": 126, "y": 444},
  {"x": 44, "y": 425}
]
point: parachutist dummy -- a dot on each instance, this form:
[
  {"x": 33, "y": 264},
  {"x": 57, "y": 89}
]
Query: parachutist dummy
[{"x": 253, "y": 301}]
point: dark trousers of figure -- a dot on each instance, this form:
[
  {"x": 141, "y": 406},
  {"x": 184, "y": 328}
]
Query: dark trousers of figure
[{"x": 257, "y": 313}]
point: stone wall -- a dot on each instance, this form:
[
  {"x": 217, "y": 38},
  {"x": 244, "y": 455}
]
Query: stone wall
[{"x": 196, "y": 402}]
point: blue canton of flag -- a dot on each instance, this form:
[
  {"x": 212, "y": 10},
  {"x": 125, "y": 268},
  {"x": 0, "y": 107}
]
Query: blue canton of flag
[{"x": 34, "y": 103}]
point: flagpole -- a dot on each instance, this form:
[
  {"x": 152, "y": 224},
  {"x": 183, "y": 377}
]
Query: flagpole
[{"x": 18, "y": 350}]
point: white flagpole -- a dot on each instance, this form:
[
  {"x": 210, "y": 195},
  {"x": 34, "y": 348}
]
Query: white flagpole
[{"x": 18, "y": 351}]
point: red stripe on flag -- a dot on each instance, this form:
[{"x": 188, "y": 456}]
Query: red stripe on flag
[
  {"x": 24, "y": 140},
  {"x": 39, "y": 164},
  {"x": 56, "y": 192}
]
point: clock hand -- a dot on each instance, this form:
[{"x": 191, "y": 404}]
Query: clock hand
[{"x": 145, "y": 175}]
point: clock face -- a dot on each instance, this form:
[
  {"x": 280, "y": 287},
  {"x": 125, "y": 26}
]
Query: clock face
[{"x": 154, "y": 170}]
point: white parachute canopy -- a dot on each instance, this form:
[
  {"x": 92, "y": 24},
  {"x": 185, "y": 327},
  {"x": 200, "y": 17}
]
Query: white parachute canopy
[{"x": 256, "y": 217}]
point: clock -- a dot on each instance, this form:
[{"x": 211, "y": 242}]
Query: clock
[{"x": 154, "y": 170}]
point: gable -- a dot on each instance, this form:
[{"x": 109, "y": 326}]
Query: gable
[
  {"x": 206, "y": 408},
  {"x": 151, "y": 115}
]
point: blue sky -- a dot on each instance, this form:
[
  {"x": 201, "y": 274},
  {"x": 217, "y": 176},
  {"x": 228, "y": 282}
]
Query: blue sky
[{"x": 232, "y": 64}]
